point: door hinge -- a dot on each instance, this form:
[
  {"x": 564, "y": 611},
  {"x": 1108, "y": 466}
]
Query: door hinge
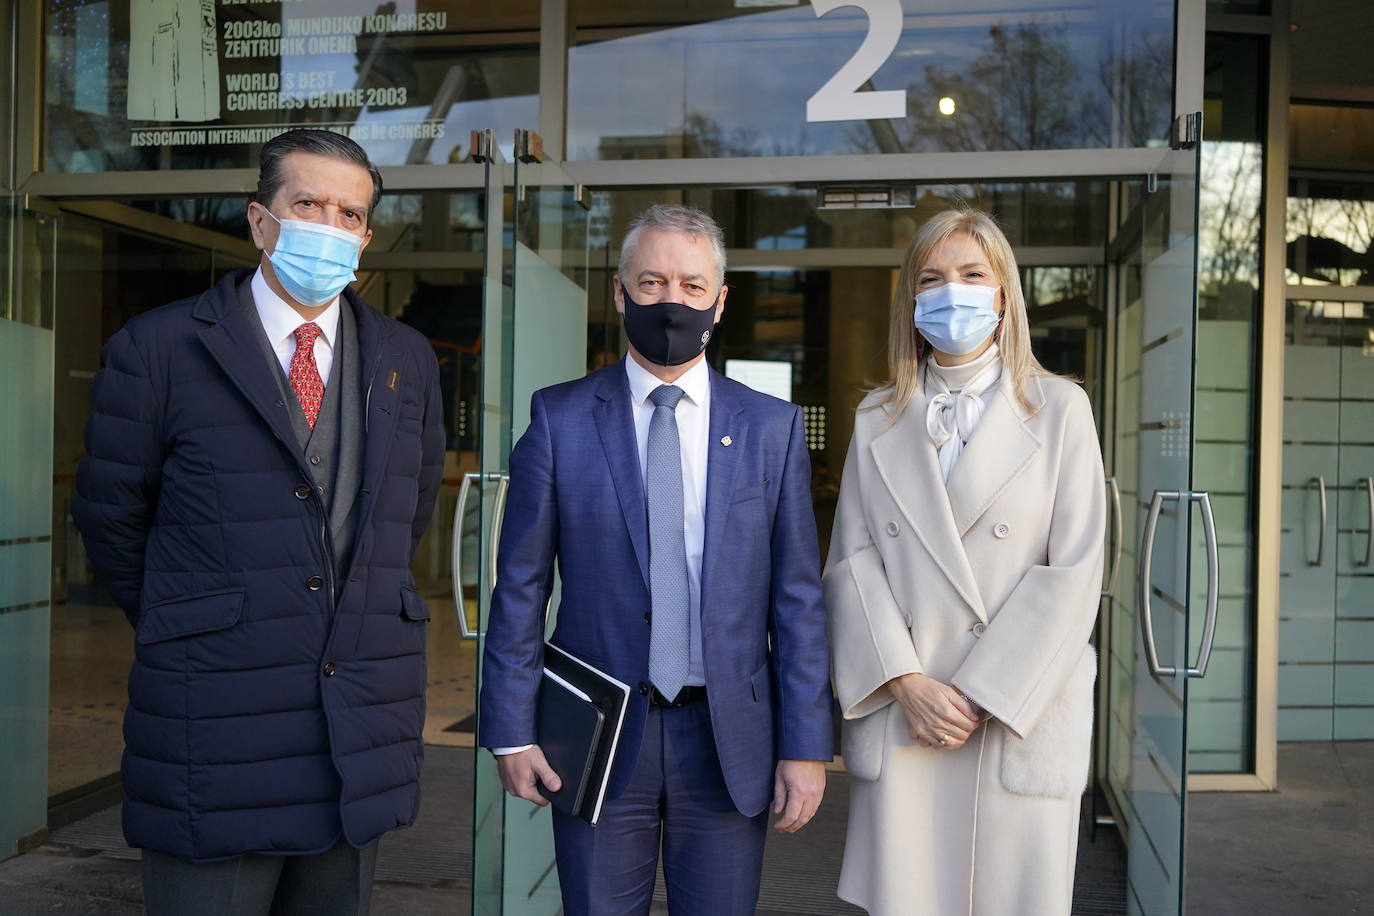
[{"x": 1187, "y": 131}]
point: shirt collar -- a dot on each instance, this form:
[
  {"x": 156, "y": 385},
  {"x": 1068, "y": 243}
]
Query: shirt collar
[
  {"x": 280, "y": 320},
  {"x": 695, "y": 382}
]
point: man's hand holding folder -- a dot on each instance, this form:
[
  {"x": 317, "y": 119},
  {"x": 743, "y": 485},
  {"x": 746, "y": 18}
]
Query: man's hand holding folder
[{"x": 522, "y": 773}]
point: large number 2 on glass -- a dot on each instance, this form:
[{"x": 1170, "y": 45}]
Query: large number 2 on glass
[{"x": 840, "y": 98}]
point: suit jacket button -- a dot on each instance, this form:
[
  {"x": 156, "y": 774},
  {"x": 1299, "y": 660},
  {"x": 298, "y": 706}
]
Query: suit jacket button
[
  {"x": 893, "y": 529},
  {"x": 302, "y": 491},
  {"x": 328, "y": 669},
  {"x": 649, "y": 618},
  {"x": 979, "y": 628},
  {"x": 314, "y": 583},
  {"x": 645, "y": 688},
  {"x": 1001, "y": 530}
]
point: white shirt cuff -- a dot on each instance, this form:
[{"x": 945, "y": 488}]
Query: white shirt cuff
[{"x": 503, "y": 751}]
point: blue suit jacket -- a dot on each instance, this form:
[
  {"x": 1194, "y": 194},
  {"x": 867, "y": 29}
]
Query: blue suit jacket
[{"x": 577, "y": 498}]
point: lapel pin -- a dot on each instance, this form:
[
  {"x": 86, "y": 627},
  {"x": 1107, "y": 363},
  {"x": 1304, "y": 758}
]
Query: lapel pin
[
  {"x": 391, "y": 382},
  {"x": 726, "y": 441}
]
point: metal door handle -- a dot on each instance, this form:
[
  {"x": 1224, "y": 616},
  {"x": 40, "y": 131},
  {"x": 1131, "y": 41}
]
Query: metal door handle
[
  {"x": 1114, "y": 571},
  {"x": 1321, "y": 534},
  {"x": 1369, "y": 530},
  {"x": 1209, "y": 626},
  {"x": 499, "y": 515},
  {"x": 456, "y": 560},
  {"x": 502, "y": 482}
]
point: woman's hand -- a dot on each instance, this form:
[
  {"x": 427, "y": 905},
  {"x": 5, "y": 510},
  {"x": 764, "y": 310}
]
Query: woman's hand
[{"x": 936, "y": 715}]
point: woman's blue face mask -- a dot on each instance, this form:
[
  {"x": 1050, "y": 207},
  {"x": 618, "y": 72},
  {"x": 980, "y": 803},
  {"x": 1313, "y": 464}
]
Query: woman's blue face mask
[
  {"x": 957, "y": 317},
  {"x": 314, "y": 262}
]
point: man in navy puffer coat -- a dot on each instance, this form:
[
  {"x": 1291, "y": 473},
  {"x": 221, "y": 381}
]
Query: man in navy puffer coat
[{"x": 261, "y": 462}]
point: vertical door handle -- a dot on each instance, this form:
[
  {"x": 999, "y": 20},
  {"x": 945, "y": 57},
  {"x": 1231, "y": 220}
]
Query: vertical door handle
[
  {"x": 1209, "y": 626},
  {"x": 456, "y": 560},
  {"x": 1369, "y": 530},
  {"x": 1114, "y": 570},
  {"x": 498, "y": 516},
  {"x": 1321, "y": 534}
]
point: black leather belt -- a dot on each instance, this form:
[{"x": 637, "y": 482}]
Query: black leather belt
[{"x": 685, "y": 697}]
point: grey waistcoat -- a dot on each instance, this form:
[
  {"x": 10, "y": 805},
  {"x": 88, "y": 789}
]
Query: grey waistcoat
[{"x": 334, "y": 448}]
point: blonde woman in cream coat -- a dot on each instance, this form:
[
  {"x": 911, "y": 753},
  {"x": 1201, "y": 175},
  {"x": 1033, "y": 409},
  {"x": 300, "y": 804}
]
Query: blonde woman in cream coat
[{"x": 962, "y": 586}]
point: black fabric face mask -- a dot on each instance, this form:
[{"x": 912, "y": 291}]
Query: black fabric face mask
[{"x": 668, "y": 333}]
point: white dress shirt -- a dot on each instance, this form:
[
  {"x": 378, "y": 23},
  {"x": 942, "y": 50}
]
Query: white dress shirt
[
  {"x": 693, "y": 429},
  {"x": 280, "y": 321}
]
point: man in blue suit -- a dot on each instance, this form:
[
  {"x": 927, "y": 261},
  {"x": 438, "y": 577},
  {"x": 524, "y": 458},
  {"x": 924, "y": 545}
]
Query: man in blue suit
[{"x": 676, "y": 504}]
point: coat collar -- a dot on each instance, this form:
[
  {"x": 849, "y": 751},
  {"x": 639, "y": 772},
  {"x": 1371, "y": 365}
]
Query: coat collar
[
  {"x": 227, "y": 310},
  {"x": 941, "y": 514}
]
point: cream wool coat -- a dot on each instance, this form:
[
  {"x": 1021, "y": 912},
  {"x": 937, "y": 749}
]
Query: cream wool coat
[{"x": 989, "y": 582}]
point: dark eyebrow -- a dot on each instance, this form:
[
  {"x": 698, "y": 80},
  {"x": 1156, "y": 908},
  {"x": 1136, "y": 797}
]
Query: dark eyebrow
[{"x": 304, "y": 194}]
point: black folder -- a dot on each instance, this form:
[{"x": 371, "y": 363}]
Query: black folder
[{"x": 580, "y": 714}]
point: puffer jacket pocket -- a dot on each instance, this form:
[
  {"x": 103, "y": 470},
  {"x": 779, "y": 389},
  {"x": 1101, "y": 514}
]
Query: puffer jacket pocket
[
  {"x": 412, "y": 605},
  {"x": 1053, "y": 759},
  {"x": 190, "y": 616}
]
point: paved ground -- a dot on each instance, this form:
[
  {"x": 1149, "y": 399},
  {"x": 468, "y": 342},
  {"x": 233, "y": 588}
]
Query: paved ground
[
  {"x": 85, "y": 869},
  {"x": 1306, "y": 850}
]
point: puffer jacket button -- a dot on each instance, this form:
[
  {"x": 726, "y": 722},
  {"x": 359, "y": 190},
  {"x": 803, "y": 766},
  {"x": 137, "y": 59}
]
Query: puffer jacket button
[
  {"x": 314, "y": 583},
  {"x": 328, "y": 669},
  {"x": 302, "y": 491}
]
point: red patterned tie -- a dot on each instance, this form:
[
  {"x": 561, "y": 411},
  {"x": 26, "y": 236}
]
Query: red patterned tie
[{"x": 305, "y": 375}]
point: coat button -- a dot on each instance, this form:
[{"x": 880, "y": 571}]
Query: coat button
[
  {"x": 302, "y": 491},
  {"x": 1001, "y": 530},
  {"x": 893, "y": 529},
  {"x": 314, "y": 459},
  {"x": 328, "y": 669},
  {"x": 314, "y": 583},
  {"x": 649, "y": 618},
  {"x": 979, "y": 628},
  {"x": 645, "y": 688}
]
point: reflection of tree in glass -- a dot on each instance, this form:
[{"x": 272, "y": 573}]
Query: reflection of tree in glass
[
  {"x": 1030, "y": 88},
  {"x": 1228, "y": 229},
  {"x": 1022, "y": 92},
  {"x": 1331, "y": 234}
]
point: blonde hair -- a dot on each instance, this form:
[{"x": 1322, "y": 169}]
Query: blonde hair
[{"x": 907, "y": 348}]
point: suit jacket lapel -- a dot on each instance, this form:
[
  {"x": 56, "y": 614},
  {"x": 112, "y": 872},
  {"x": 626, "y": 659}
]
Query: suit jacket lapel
[
  {"x": 350, "y": 419},
  {"x": 727, "y": 420},
  {"x": 1000, "y": 449},
  {"x": 910, "y": 469},
  {"x": 615, "y": 426}
]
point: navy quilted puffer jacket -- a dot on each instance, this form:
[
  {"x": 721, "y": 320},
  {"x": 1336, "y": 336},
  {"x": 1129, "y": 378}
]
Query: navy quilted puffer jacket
[{"x": 264, "y": 715}]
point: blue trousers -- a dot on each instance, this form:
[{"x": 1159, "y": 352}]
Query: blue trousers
[{"x": 712, "y": 854}]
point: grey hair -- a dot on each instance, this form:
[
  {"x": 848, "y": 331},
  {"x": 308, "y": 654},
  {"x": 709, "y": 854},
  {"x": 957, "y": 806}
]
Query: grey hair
[{"x": 674, "y": 218}]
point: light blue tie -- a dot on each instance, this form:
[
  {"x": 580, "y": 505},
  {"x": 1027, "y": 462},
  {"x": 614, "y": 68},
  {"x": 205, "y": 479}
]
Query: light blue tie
[{"x": 668, "y": 585}]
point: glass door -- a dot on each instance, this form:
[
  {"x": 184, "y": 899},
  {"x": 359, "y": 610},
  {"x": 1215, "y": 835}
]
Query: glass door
[
  {"x": 534, "y": 332},
  {"x": 1152, "y": 621},
  {"x": 1326, "y": 629}
]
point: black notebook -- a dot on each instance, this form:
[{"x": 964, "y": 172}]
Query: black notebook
[{"x": 580, "y": 714}]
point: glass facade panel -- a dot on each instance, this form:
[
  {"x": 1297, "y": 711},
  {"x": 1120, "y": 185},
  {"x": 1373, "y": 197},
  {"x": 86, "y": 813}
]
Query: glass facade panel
[
  {"x": 1221, "y": 705},
  {"x": 723, "y": 78},
  {"x": 169, "y": 84},
  {"x": 1330, "y": 231}
]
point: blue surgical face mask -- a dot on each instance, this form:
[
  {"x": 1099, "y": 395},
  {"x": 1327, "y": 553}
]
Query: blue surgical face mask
[
  {"x": 314, "y": 262},
  {"x": 956, "y": 317}
]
